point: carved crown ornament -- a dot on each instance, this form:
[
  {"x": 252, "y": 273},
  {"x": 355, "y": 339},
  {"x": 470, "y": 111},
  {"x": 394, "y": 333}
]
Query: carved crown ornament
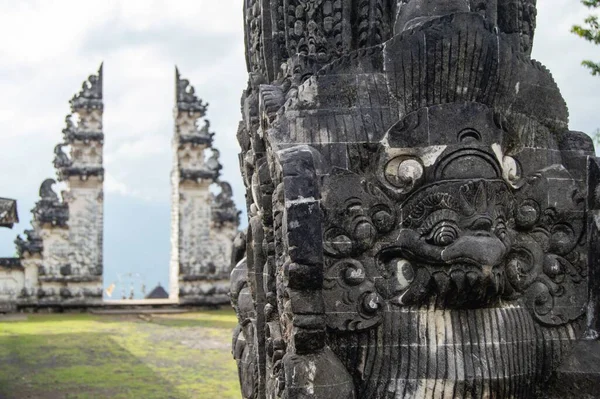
[
  {"x": 90, "y": 96},
  {"x": 186, "y": 99}
]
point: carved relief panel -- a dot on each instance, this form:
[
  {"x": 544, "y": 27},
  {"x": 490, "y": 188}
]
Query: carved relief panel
[{"x": 416, "y": 202}]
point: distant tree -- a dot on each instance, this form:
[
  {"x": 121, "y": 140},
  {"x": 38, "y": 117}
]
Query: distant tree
[
  {"x": 590, "y": 32},
  {"x": 596, "y": 137}
]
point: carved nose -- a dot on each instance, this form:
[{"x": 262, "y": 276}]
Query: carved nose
[
  {"x": 482, "y": 225},
  {"x": 480, "y": 248},
  {"x": 482, "y": 234}
]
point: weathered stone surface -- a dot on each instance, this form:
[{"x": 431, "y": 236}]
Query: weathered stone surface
[
  {"x": 203, "y": 225},
  {"x": 421, "y": 220},
  {"x": 8, "y": 212},
  {"x": 11, "y": 269}
]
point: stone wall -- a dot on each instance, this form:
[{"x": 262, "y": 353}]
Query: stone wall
[
  {"x": 11, "y": 270},
  {"x": 12, "y": 279}
]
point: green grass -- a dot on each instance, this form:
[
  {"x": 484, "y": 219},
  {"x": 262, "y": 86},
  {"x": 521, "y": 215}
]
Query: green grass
[{"x": 92, "y": 356}]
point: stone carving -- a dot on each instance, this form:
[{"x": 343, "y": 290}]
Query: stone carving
[
  {"x": 185, "y": 97},
  {"x": 8, "y": 212},
  {"x": 203, "y": 226},
  {"x": 202, "y": 136},
  {"x": 61, "y": 160},
  {"x": 71, "y": 133},
  {"x": 10, "y": 263},
  {"x": 90, "y": 96},
  {"x": 32, "y": 244},
  {"x": 224, "y": 209},
  {"x": 85, "y": 138},
  {"x": 417, "y": 204},
  {"x": 212, "y": 163},
  {"x": 49, "y": 209}
]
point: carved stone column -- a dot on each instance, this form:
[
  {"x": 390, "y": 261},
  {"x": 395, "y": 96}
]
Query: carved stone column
[
  {"x": 202, "y": 229},
  {"x": 62, "y": 253},
  {"x": 84, "y": 177},
  {"x": 420, "y": 215}
]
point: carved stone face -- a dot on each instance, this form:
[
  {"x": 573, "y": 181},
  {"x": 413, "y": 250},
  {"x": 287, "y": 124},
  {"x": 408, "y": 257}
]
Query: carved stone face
[
  {"x": 452, "y": 246},
  {"x": 461, "y": 225}
]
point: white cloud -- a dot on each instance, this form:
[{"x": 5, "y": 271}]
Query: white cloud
[
  {"x": 138, "y": 147},
  {"x": 112, "y": 185}
]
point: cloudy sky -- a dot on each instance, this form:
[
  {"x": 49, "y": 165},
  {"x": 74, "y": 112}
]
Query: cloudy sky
[{"x": 49, "y": 47}]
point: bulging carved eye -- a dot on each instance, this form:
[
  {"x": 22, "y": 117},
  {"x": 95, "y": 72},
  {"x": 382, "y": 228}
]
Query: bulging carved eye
[
  {"x": 336, "y": 243},
  {"x": 528, "y": 214},
  {"x": 364, "y": 234},
  {"x": 383, "y": 218},
  {"x": 403, "y": 173},
  {"x": 444, "y": 233}
]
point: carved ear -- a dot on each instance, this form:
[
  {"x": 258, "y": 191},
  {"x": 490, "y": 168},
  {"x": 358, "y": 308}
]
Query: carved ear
[
  {"x": 465, "y": 202},
  {"x": 481, "y": 198}
]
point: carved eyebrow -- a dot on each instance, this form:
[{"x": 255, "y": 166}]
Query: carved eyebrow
[
  {"x": 431, "y": 203},
  {"x": 437, "y": 216},
  {"x": 352, "y": 202},
  {"x": 475, "y": 222}
]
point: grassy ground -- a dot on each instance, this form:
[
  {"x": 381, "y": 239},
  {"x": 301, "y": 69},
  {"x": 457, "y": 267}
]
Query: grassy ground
[{"x": 93, "y": 356}]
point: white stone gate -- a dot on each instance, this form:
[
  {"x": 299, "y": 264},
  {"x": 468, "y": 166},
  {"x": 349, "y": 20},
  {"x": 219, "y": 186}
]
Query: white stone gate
[{"x": 60, "y": 261}]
